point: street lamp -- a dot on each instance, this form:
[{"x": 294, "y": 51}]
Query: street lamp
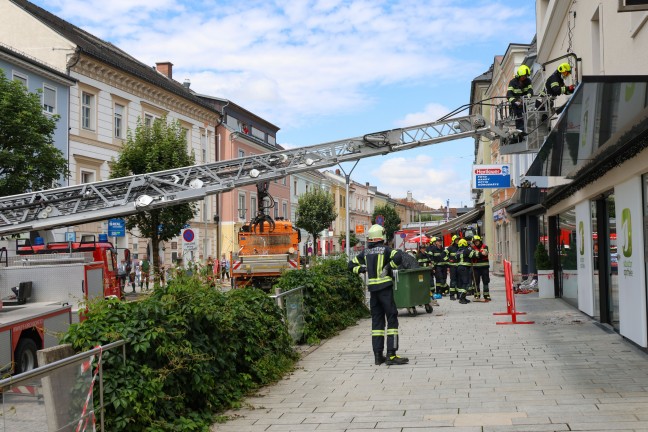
[{"x": 347, "y": 178}]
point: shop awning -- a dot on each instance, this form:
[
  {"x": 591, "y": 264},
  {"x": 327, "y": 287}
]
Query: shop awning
[{"x": 456, "y": 223}]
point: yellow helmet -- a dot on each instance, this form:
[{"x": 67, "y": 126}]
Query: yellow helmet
[
  {"x": 524, "y": 70},
  {"x": 462, "y": 242},
  {"x": 454, "y": 237},
  {"x": 564, "y": 67},
  {"x": 476, "y": 238},
  {"x": 376, "y": 232},
  {"x": 433, "y": 239}
]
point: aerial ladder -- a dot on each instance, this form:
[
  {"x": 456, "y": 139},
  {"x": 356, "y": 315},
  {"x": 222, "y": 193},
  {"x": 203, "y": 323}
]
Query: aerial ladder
[{"x": 89, "y": 202}]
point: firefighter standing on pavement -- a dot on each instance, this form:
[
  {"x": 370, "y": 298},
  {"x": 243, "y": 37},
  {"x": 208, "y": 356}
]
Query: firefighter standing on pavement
[
  {"x": 378, "y": 260},
  {"x": 451, "y": 259},
  {"x": 481, "y": 267},
  {"x": 436, "y": 252},
  {"x": 519, "y": 87},
  {"x": 464, "y": 270}
]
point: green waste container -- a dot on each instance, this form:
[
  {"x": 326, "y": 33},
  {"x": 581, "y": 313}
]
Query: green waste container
[{"x": 412, "y": 288}]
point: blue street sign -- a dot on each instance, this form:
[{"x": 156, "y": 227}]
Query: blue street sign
[
  {"x": 70, "y": 236},
  {"x": 116, "y": 227},
  {"x": 380, "y": 220},
  {"x": 491, "y": 176}
]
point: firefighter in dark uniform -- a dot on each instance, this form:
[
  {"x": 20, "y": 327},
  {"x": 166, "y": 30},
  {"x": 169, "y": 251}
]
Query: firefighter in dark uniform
[
  {"x": 378, "y": 261},
  {"x": 481, "y": 266},
  {"x": 555, "y": 84},
  {"x": 519, "y": 87},
  {"x": 436, "y": 252},
  {"x": 464, "y": 270},
  {"x": 451, "y": 259}
]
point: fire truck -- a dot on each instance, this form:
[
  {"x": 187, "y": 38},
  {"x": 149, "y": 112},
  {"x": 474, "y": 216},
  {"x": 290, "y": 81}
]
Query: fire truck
[
  {"x": 42, "y": 288},
  {"x": 267, "y": 248},
  {"x": 99, "y": 201}
]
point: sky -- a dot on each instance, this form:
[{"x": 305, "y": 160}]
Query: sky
[{"x": 326, "y": 70}]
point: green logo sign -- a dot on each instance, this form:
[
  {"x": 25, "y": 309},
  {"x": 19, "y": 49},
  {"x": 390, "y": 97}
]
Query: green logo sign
[
  {"x": 581, "y": 232},
  {"x": 626, "y": 226},
  {"x": 629, "y": 91}
]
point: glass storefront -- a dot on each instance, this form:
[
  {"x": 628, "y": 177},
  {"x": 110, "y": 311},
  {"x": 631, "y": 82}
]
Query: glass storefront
[{"x": 566, "y": 243}]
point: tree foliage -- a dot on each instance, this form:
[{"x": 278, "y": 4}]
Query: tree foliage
[
  {"x": 334, "y": 297},
  {"x": 392, "y": 220},
  {"x": 191, "y": 351},
  {"x": 159, "y": 147},
  {"x": 353, "y": 239},
  {"x": 315, "y": 212},
  {"x": 30, "y": 160}
]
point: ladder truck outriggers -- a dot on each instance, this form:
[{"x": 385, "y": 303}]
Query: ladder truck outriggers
[{"x": 98, "y": 201}]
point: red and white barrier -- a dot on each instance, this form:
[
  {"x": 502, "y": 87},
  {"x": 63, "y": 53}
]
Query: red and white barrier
[{"x": 510, "y": 298}]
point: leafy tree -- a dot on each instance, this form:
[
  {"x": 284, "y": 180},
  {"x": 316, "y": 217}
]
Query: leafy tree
[
  {"x": 159, "y": 147},
  {"x": 392, "y": 220},
  {"x": 30, "y": 161},
  {"x": 353, "y": 239},
  {"x": 316, "y": 211}
]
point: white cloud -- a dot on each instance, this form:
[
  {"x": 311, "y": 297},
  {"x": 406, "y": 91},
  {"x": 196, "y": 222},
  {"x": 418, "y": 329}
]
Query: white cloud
[{"x": 431, "y": 112}]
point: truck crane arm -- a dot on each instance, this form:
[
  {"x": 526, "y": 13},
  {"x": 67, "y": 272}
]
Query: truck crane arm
[{"x": 73, "y": 205}]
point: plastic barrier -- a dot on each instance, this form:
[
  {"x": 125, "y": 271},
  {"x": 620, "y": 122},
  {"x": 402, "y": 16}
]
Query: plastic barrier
[{"x": 510, "y": 298}]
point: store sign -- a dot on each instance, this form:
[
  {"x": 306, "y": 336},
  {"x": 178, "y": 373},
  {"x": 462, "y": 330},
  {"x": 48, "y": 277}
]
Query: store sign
[
  {"x": 491, "y": 176},
  {"x": 116, "y": 227}
]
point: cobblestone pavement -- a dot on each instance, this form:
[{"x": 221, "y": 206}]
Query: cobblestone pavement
[{"x": 565, "y": 372}]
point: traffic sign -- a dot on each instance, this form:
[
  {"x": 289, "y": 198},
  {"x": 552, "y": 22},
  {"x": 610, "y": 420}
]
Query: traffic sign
[
  {"x": 380, "y": 220},
  {"x": 189, "y": 239}
]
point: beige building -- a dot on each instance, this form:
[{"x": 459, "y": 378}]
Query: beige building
[{"x": 113, "y": 91}]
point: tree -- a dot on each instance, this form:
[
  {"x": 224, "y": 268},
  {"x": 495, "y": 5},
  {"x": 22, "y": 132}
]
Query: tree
[
  {"x": 542, "y": 260},
  {"x": 353, "y": 239},
  {"x": 30, "y": 161},
  {"x": 392, "y": 221},
  {"x": 315, "y": 212},
  {"x": 158, "y": 147}
]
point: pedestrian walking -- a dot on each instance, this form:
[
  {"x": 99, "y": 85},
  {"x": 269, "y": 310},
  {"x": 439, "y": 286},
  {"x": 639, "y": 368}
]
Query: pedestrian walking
[
  {"x": 378, "y": 261},
  {"x": 224, "y": 266}
]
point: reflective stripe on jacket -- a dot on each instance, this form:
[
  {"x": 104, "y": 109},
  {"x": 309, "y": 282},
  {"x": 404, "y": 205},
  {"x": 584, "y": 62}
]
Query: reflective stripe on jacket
[{"x": 379, "y": 260}]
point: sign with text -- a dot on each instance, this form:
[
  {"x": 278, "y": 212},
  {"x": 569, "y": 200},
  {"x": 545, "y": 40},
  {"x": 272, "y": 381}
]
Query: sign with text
[
  {"x": 491, "y": 176},
  {"x": 116, "y": 227},
  {"x": 189, "y": 240}
]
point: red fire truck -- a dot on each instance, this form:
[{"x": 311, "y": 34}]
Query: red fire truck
[{"x": 42, "y": 288}]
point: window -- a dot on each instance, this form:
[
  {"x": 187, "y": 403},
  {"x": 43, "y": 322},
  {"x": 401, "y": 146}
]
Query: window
[
  {"x": 203, "y": 146},
  {"x": 284, "y": 209},
  {"x": 205, "y": 210},
  {"x": 283, "y": 181},
  {"x": 266, "y": 206},
  {"x": 20, "y": 78},
  {"x": 253, "y": 205},
  {"x": 87, "y": 177},
  {"x": 87, "y": 110},
  {"x": 49, "y": 100},
  {"x": 148, "y": 120},
  {"x": 276, "y": 209},
  {"x": 241, "y": 206},
  {"x": 241, "y": 153},
  {"x": 119, "y": 121},
  {"x": 295, "y": 187}
]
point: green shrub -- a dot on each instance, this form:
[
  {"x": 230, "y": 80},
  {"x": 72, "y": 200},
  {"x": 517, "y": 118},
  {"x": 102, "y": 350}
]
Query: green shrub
[
  {"x": 542, "y": 260},
  {"x": 191, "y": 351},
  {"x": 334, "y": 298}
]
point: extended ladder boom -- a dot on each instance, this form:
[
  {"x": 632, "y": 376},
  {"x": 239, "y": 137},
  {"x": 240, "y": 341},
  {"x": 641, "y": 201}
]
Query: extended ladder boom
[{"x": 73, "y": 205}]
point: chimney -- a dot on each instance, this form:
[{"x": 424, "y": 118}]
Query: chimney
[
  {"x": 186, "y": 83},
  {"x": 165, "y": 68}
]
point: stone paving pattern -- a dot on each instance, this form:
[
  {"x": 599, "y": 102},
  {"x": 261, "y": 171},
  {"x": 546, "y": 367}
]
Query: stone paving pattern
[{"x": 466, "y": 374}]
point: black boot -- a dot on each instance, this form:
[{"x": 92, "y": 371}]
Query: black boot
[
  {"x": 380, "y": 358},
  {"x": 452, "y": 296},
  {"x": 463, "y": 299},
  {"x": 393, "y": 359}
]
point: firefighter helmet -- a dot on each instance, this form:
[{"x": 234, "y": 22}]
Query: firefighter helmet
[
  {"x": 434, "y": 239},
  {"x": 564, "y": 67},
  {"x": 475, "y": 238},
  {"x": 376, "y": 232},
  {"x": 454, "y": 237},
  {"x": 524, "y": 70},
  {"x": 462, "y": 242}
]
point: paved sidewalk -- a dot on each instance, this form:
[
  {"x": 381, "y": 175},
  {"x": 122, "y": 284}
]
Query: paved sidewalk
[{"x": 466, "y": 374}]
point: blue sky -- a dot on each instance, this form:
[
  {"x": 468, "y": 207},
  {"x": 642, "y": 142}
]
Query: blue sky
[{"x": 324, "y": 70}]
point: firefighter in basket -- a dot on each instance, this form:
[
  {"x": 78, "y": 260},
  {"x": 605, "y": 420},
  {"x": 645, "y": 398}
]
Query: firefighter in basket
[{"x": 378, "y": 261}]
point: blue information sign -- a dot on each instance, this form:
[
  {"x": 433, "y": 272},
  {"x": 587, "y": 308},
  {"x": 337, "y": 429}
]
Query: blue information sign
[
  {"x": 380, "y": 220},
  {"x": 116, "y": 227},
  {"x": 70, "y": 236},
  {"x": 491, "y": 176}
]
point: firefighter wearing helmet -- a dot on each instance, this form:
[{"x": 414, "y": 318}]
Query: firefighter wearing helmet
[
  {"x": 481, "y": 266},
  {"x": 519, "y": 87},
  {"x": 464, "y": 270},
  {"x": 377, "y": 261},
  {"x": 555, "y": 85},
  {"x": 451, "y": 259},
  {"x": 437, "y": 254}
]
